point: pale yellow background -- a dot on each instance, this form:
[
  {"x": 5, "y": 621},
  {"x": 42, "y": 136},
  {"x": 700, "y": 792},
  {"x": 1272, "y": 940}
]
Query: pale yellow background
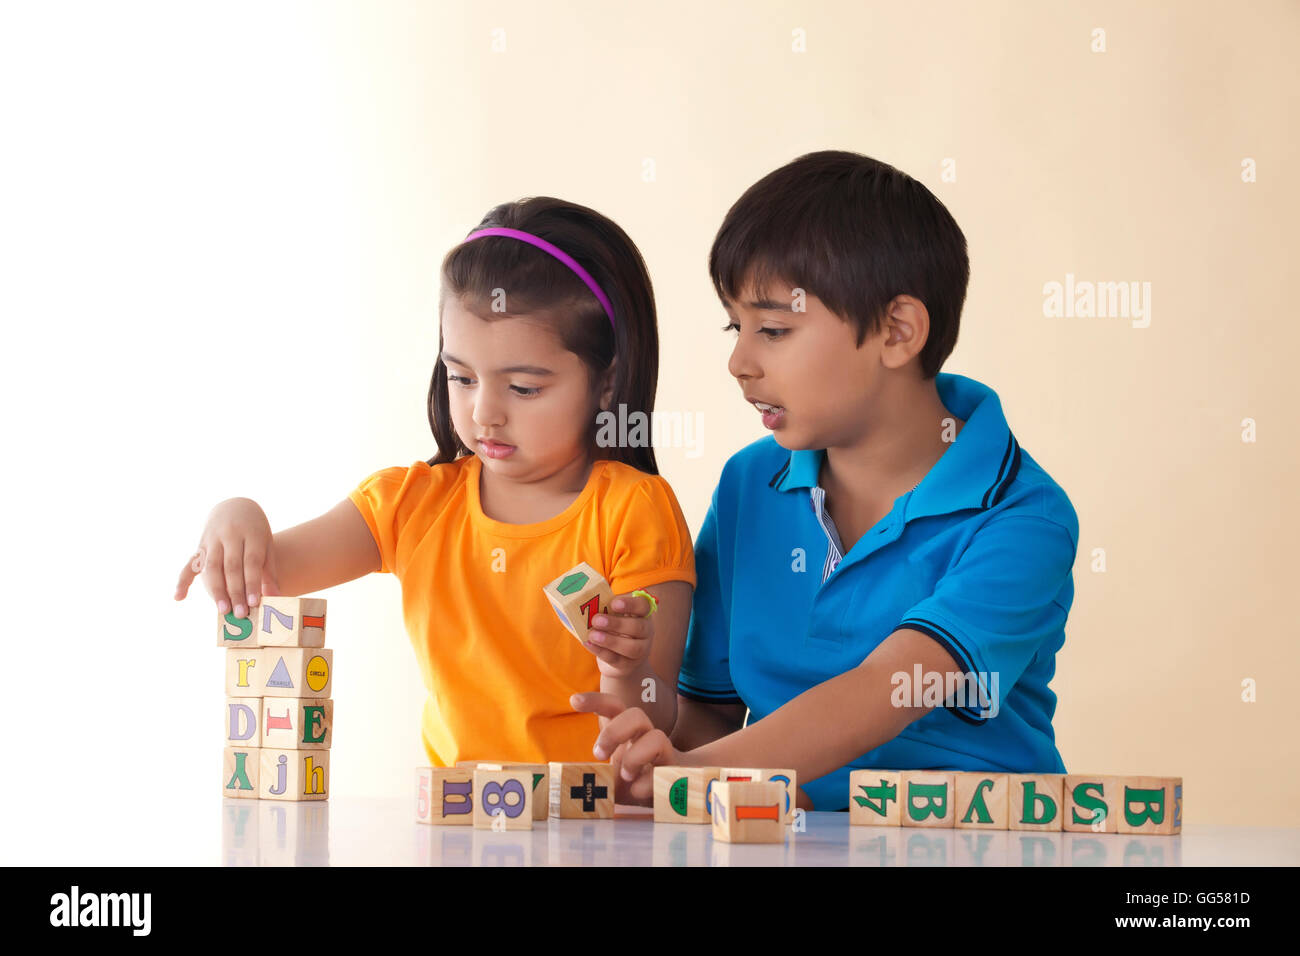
[{"x": 191, "y": 189}]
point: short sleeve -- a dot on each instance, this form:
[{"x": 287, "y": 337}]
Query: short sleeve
[
  {"x": 386, "y": 501},
  {"x": 705, "y": 674},
  {"x": 652, "y": 542},
  {"x": 1002, "y": 603}
]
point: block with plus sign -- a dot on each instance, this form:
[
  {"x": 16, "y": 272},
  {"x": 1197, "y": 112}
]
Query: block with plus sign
[
  {"x": 578, "y": 595},
  {"x": 582, "y": 790}
]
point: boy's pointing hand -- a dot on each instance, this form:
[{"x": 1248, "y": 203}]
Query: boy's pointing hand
[{"x": 642, "y": 745}]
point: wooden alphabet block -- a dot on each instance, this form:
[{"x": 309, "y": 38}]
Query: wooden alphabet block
[
  {"x": 279, "y": 671},
  {"x": 297, "y": 723},
  {"x": 503, "y": 799},
  {"x": 578, "y": 595},
  {"x": 236, "y": 631},
  {"x": 927, "y": 799},
  {"x": 1091, "y": 803},
  {"x": 444, "y": 795},
  {"x": 874, "y": 798},
  {"x": 541, "y": 777},
  {"x": 748, "y": 812},
  {"x": 243, "y": 722},
  {"x": 1151, "y": 805},
  {"x": 765, "y": 775},
  {"x": 581, "y": 790},
  {"x": 684, "y": 794},
  {"x": 981, "y": 801},
  {"x": 240, "y": 771},
  {"x": 1034, "y": 801},
  {"x": 294, "y": 775},
  {"x": 289, "y": 621}
]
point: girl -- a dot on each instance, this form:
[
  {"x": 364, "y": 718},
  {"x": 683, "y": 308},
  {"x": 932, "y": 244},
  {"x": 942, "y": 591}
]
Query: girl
[{"x": 547, "y": 320}]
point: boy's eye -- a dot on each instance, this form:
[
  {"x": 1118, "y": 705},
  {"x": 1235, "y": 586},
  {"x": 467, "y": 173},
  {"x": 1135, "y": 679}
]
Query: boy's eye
[{"x": 770, "y": 333}]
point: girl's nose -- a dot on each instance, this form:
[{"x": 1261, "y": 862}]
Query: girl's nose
[{"x": 487, "y": 410}]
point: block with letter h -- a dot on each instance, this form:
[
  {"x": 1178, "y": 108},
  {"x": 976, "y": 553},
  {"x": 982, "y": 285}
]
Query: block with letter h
[{"x": 279, "y": 716}]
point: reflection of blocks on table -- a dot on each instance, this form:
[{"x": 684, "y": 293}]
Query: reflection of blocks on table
[
  {"x": 444, "y": 795},
  {"x": 578, "y": 595},
  {"x": 503, "y": 799},
  {"x": 981, "y": 800},
  {"x": 294, "y": 774},
  {"x": 1151, "y": 805},
  {"x": 279, "y": 717},
  {"x": 581, "y": 790},
  {"x": 684, "y": 794},
  {"x": 927, "y": 798},
  {"x": 748, "y": 812},
  {"x": 873, "y": 798},
  {"x": 275, "y": 622},
  {"x": 1034, "y": 801}
]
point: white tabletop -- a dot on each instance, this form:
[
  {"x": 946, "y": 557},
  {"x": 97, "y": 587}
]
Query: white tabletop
[{"x": 383, "y": 832}]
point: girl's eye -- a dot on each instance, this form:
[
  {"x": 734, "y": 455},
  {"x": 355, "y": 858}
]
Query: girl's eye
[
  {"x": 458, "y": 379},
  {"x": 525, "y": 391}
]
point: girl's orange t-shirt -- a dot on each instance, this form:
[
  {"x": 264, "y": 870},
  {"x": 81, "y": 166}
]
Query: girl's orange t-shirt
[{"x": 498, "y": 664}]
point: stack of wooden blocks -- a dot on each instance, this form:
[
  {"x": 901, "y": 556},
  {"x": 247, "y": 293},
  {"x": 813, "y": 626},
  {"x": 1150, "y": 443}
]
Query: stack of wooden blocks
[
  {"x": 279, "y": 713},
  {"x": 744, "y": 805},
  {"x": 502, "y": 795},
  {"x": 1093, "y": 803}
]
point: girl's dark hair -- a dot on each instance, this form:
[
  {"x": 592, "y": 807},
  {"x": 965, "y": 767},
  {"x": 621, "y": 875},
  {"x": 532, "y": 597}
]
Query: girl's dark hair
[
  {"x": 853, "y": 231},
  {"x": 534, "y": 281}
]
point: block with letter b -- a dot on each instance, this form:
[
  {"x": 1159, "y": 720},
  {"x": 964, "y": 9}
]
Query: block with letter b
[
  {"x": 684, "y": 794},
  {"x": 927, "y": 798},
  {"x": 294, "y": 775},
  {"x": 749, "y": 812},
  {"x": 579, "y": 595},
  {"x": 874, "y": 798},
  {"x": 503, "y": 799},
  {"x": 444, "y": 795},
  {"x": 1151, "y": 805}
]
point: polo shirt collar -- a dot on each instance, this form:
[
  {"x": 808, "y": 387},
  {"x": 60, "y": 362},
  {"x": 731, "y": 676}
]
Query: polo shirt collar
[{"x": 974, "y": 472}]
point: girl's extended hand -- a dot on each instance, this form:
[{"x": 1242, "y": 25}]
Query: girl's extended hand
[
  {"x": 621, "y": 639},
  {"x": 236, "y": 556},
  {"x": 632, "y": 742}
]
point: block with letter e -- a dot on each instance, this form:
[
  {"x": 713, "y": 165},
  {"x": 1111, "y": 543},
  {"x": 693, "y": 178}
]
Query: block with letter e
[
  {"x": 749, "y": 812},
  {"x": 578, "y": 595},
  {"x": 297, "y": 723}
]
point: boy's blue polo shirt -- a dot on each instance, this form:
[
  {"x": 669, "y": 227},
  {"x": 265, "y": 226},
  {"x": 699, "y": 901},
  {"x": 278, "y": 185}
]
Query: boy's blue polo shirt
[{"x": 979, "y": 556}]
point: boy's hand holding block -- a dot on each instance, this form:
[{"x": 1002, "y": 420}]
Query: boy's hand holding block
[
  {"x": 581, "y": 791},
  {"x": 684, "y": 794},
  {"x": 748, "y": 812},
  {"x": 503, "y": 799},
  {"x": 579, "y": 595},
  {"x": 275, "y": 622},
  {"x": 444, "y": 795}
]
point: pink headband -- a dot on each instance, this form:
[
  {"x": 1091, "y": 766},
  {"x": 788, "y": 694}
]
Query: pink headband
[{"x": 558, "y": 253}]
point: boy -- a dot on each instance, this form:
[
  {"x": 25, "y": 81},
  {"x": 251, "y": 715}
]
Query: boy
[{"x": 889, "y": 538}]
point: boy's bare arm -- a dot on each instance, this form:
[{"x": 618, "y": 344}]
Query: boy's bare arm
[
  {"x": 829, "y": 725},
  {"x": 326, "y": 551},
  {"x": 699, "y": 723}
]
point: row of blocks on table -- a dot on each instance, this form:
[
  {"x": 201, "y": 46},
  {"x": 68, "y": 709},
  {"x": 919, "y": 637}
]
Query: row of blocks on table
[{"x": 505, "y": 795}]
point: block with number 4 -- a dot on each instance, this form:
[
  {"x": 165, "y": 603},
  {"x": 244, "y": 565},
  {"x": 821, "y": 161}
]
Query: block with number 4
[{"x": 577, "y": 596}]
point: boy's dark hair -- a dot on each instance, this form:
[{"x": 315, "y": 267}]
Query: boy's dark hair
[
  {"x": 535, "y": 281},
  {"x": 853, "y": 231}
]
